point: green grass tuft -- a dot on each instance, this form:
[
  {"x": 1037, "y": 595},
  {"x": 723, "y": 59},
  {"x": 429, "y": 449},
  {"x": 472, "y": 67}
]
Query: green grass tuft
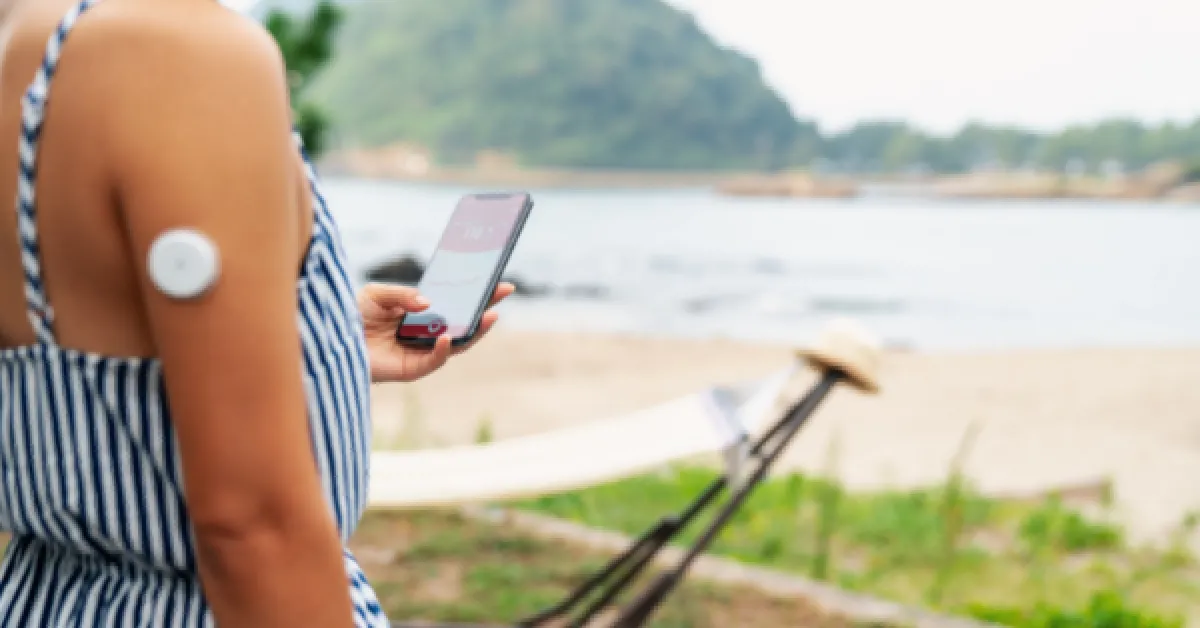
[{"x": 947, "y": 548}]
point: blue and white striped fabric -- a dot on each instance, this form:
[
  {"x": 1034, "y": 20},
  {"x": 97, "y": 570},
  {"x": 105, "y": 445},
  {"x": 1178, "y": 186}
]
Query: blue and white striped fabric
[{"x": 90, "y": 480}]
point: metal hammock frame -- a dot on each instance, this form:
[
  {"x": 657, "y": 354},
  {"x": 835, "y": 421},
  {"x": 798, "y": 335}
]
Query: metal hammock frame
[{"x": 600, "y": 592}]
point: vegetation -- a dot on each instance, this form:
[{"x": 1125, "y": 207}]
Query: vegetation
[
  {"x": 575, "y": 83},
  {"x": 1025, "y": 564},
  {"x": 435, "y": 566},
  {"x": 1111, "y": 146},
  {"x": 307, "y": 46},
  {"x": 1191, "y": 173},
  {"x": 627, "y": 84},
  {"x": 1106, "y": 609}
]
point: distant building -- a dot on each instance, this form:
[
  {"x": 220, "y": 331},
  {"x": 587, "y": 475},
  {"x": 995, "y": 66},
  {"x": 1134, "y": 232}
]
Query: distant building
[
  {"x": 492, "y": 160},
  {"x": 406, "y": 159},
  {"x": 1112, "y": 169},
  {"x": 400, "y": 160}
]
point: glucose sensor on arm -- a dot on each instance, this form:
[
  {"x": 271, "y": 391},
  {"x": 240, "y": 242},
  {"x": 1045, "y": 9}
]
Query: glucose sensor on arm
[{"x": 183, "y": 264}]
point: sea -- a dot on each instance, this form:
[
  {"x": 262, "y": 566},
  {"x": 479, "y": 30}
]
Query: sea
[{"x": 920, "y": 274}]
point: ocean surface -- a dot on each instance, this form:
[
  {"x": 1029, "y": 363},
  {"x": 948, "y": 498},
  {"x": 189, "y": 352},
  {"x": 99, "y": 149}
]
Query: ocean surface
[{"x": 922, "y": 274}]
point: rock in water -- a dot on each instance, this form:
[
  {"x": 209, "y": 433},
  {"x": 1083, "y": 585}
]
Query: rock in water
[
  {"x": 521, "y": 288},
  {"x": 406, "y": 269}
]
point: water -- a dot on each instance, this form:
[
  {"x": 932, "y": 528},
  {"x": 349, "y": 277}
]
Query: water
[{"x": 942, "y": 275}]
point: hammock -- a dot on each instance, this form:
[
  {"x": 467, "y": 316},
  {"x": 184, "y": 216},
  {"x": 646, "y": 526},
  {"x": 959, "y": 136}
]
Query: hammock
[{"x": 715, "y": 420}]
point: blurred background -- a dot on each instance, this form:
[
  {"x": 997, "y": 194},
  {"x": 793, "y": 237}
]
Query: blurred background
[
  {"x": 1008, "y": 194},
  {"x": 960, "y": 175}
]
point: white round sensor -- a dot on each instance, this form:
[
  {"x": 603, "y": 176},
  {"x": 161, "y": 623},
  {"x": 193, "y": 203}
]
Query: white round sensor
[{"x": 183, "y": 264}]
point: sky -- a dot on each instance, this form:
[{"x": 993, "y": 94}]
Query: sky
[{"x": 1039, "y": 64}]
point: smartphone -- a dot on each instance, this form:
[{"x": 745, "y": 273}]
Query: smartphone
[{"x": 470, "y": 258}]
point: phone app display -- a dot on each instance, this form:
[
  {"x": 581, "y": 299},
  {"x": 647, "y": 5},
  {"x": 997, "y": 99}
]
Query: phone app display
[{"x": 459, "y": 275}]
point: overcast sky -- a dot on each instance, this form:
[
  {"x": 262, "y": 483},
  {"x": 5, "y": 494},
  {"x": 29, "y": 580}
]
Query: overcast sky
[{"x": 1034, "y": 63}]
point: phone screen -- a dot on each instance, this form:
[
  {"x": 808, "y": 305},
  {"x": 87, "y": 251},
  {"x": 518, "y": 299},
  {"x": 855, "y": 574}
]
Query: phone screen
[{"x": 459, "y": 277}]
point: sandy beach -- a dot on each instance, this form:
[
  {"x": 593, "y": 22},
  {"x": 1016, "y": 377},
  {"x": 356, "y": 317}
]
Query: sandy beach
[{"x": 1044, "y": 420}]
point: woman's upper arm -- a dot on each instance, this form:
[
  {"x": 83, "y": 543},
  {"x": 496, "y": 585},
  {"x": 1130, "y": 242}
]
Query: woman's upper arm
[{"x": 203, "y": 141}]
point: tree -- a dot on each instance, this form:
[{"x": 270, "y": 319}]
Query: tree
[
  {"x": 307, "y": 46},
  {"x": 602, "y": 84}
]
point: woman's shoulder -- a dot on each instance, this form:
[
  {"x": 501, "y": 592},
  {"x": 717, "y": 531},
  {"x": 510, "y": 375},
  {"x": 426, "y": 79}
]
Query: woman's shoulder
[
  {"x": 123, "y": 44},
  {"x": 174, "y": 40},
  {"x": 138, "y": 70}
]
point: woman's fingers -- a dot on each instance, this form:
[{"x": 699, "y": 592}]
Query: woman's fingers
[
  {"x": 485, "y": 325},
  {"x": 443, "y": 348},
  {"x": 503, "y": 291},
  {"x": 395, "y": 299},
  {"x": 392, "y": 298}
]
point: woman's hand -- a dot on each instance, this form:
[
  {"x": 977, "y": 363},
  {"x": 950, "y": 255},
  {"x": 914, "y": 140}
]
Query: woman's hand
[{"x": 383, "y": 306}]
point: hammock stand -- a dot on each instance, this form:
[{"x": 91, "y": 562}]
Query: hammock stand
[{"x": 843, "y": 355}]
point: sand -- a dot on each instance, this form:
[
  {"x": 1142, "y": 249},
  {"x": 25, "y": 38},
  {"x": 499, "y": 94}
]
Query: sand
[{"x": 1045, "y": 420}]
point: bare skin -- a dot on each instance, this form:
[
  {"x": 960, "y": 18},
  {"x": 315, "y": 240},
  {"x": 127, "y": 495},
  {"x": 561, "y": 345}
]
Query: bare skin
[{"x": 153, "y": 125}]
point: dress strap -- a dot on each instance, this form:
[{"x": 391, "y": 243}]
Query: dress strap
[
  {"x": 33, "y": 115},
  {"x": 323, "y": 224}
]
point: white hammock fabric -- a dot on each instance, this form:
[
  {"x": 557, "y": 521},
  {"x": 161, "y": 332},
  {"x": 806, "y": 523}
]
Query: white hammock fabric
[{"x": 714, "y": 420}]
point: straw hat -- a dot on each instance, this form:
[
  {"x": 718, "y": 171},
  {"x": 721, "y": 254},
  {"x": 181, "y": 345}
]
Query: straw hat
[{"x": 847, "y": 346}]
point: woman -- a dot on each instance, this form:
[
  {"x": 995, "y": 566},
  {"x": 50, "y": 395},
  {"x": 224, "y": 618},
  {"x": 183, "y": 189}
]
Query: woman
[{"x": 164, "y": 461}]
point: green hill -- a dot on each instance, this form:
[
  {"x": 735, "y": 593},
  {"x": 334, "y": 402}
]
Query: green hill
[{"x": 566, "y": 83}]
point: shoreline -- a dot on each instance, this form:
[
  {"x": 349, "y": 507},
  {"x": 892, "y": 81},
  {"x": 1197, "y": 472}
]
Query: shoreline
[
  {"x": 1050, "y": 419},
  {"x": 998, "y": 186},
  {"x": 548, "y": 178}
]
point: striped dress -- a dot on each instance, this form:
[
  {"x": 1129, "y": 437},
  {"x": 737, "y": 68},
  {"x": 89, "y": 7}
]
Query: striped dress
[{"x": 90, "y": 480}]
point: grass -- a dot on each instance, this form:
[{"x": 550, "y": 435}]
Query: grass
[
  {"x": 1016, "y": 563},
  {"x": 437, "y": 566},
  {"x": 1036, "y": 565},
  {"x": 946, "y": 548},
  {"x": 1042, "y": 565}
]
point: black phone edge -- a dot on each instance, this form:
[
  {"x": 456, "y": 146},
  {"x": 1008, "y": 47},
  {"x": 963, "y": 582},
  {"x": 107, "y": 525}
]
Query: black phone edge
[{"x": 497, "y": 274}]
